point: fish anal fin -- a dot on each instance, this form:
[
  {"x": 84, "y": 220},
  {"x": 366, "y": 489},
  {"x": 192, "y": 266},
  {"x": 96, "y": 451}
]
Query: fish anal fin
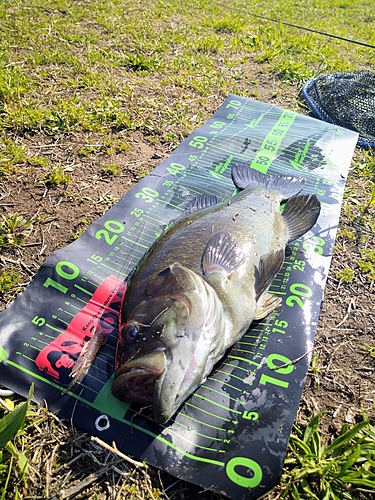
[
  {"x": 200, "y": 202},
  {"x": 300, "y": 214},
  {"x": 266, "y": 304},
  {"x": 222, "y": 253},
  {"x": 269, "y": 265},
  {"x": 245, "y": 177}
]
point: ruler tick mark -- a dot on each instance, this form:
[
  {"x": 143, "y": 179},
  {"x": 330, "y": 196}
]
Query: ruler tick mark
[{"x": 83, "y": 290}]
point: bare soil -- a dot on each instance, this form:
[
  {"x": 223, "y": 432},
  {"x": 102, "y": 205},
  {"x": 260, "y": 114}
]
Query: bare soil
[{"x": 341, "y": 383}]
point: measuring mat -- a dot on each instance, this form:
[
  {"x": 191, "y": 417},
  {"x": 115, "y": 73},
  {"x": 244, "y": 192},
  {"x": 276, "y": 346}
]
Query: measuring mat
[{"x": 231, "y": 435}]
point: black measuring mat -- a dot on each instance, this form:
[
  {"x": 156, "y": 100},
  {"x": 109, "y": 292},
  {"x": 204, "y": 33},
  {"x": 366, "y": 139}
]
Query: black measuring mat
[{"x": 231, "y": 435}]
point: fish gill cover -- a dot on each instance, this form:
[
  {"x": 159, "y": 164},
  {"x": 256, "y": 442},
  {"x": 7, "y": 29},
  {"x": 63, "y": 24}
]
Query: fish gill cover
[{"x": 231, "y": 435}]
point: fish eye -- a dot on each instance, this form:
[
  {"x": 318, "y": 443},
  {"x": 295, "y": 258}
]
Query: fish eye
[{"x": 131, "y": 332}]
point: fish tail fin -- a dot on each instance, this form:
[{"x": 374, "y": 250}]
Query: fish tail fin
[
  {"x": 245, "y": 177},
  {"x": 300, "y": 214}
]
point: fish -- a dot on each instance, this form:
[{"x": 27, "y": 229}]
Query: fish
[{"x": 202, "y": 284}]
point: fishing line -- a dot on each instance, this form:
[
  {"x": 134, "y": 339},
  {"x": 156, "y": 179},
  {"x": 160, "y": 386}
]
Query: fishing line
[{"x": 311, "y": 30}]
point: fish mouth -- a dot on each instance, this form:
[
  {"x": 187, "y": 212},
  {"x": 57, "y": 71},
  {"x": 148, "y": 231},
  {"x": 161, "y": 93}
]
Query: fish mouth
[
  {"x": 135, "y": 380},
  {"x": 145, "y": 379}
]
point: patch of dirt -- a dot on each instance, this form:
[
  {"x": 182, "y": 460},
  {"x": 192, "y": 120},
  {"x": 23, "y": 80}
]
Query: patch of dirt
[
  {"x": 341, "y": 382},
  {"x": 61, "y": 213}
]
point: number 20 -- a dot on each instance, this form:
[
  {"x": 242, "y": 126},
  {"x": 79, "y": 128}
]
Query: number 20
[
  {"x": 299, "y": 290},
  {"x": 111, "y": 226}
]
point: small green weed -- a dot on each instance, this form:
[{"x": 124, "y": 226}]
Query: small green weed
[
  {"x": 365, "y": 166},
  {"x": 84, "y": 224},
  {"x": 213, "y": 44},
  {"x": 254, "y": 94},
  {"x": 56, "y": 175},
  {"x": 315, "y": 369},
  {"x": 347, "y": 233},
  {"x": 144, "y": 172},
  {"x": 293, "y": 71},
  {"x": 367, "y": 262},
  {"x": 113, "y": 145},
  {"x": 109, "y": 145},
  {"x": 88, "y": 150},
  {"x": 37, "y": 161},
  {"x": 107, "y": 199},
  {"x": 13, "y": 83},
  {"x": 229, "y": 24},
  {"x": 347, "y": 275},
  {"x": 111, "y": 169},
  {"x": 14, "y": 229},
  {"x": 11, "y": 154},
  {"x": 138, "y": 62},
  {"x": 171, "y": 138},
  {"x": 8, "y": 280},
  {"x": 370, "y": 348},
  {"x": 371, "y": 201},
  {"x": 315, "y": 471}
]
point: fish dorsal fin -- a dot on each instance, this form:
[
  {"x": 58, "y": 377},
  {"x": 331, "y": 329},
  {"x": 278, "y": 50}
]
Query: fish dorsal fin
[
  {"x": 300, "y": 214},
  {"x": 222, "y": 253},
  {"x": 269, "y": 265},
  {"x": 200, "y": 202},
  {"x": 174, "y": 278},
  {"x": 245, "y": 177}
]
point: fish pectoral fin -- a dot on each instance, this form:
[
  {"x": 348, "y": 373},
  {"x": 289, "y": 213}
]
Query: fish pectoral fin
[
  {"x": 266, "y": 303},
  {"x": 269, "y": 265},
  {"x": 174, "y": 278},
  {"x": 300, "y": 214},
  {"x": 200, "y": 202},
  {"x": 245, "y": 177},
  {"x": 222, "y": 253}
]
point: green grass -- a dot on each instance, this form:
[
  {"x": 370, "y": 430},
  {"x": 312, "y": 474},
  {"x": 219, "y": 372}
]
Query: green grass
[
  {"x": 66, "y": 46},
  {"x": 111, "y": 169},
  {"x": 56, "y": 175},
  {"x": 367, "y": 263},
  {"x": 347, "y": 275},
  {"x": 8, "y": 280},
  {"x": 315, "y": 470},
  {"x": 300, "y": 54},
  {"x": 14, "y": 229},
  {"x": 11, "y": 154},
  {"x": 109, "y": 145},
  {"x": 359, "y": 200},
  {"x": 13, "y": 461}
]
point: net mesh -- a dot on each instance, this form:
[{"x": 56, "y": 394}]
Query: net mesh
[{"x": 345, "y": 99}]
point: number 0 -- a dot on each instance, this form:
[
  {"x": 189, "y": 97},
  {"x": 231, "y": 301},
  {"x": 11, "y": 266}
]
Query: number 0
[{"x": 248, "y": 464}]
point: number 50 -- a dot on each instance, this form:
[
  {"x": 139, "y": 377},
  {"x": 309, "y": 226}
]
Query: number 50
[{"x": 198, "y": 141}]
